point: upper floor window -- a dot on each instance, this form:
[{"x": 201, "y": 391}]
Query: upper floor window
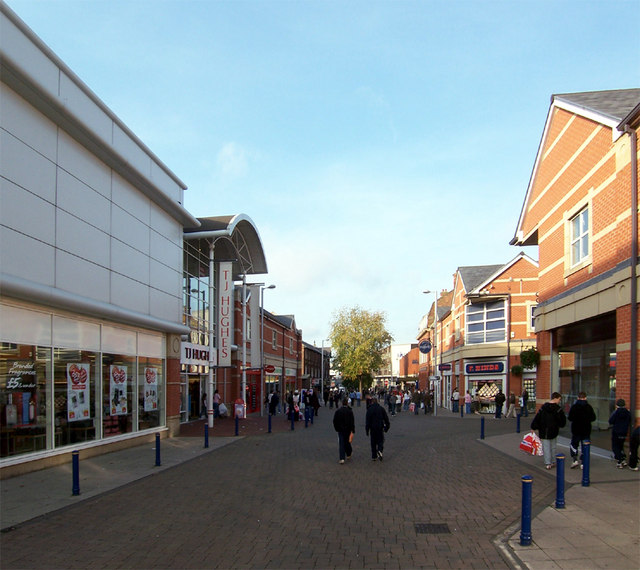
[
  {"x": 486, "y": 322},
  {"x": 579, "y": 237},
  {"x": 275, "y": 340},
  {"x": 532, "y": 317}
]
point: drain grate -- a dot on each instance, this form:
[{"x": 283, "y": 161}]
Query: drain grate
[{"x": 432, "y": 528}]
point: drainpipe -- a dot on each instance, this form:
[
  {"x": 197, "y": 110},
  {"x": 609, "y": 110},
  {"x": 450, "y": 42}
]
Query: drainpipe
[{"x": 633, "y": 361}]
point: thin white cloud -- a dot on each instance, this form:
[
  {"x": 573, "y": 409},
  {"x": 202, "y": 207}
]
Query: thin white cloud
[{"x": 232, "y": 161}]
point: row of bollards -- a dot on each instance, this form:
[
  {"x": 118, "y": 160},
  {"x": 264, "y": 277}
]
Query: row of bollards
[
  {"x": 527, "y": 483},
  {"x": 75, "y": 464}
]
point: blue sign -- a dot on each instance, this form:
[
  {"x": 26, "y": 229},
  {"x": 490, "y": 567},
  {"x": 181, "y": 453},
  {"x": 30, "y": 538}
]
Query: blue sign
[{"x": 425, "y": 346}]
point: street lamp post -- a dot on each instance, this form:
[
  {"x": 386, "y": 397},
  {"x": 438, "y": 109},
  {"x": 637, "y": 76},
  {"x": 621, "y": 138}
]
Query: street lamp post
[
  {"x": 262, "y": 288},
  {"x": 322, "y": 371},
  {"x": 436, "y": 393}
]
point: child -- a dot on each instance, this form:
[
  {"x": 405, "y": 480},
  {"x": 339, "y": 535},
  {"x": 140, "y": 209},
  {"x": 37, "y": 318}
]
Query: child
[{"x": 620, "y": 420}]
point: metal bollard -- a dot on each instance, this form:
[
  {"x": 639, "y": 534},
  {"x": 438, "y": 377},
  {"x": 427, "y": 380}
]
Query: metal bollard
[
  {"x": 525, "y": 524},
  {"x": 461, "y": 404},
  {"x": 157, "y": 450},
  {"x": 560, "y": 481},
  {"x": 237, "y": 424},
  {"x": 206, "y": 435},
  {"x": 269, "y": 423},
  {"x": 518, "y": 423},
  {"x": 586, "y": 462},
  {"x": 306, "y": 417},
  {"x": 75, "y": 459},
  {"x": 482, "y": 427},
  {"x": 292, "y": 421}
]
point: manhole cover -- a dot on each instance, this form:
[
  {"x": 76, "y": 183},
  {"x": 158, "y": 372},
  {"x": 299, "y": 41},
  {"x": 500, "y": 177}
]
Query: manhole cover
[{"x": 432, "y": 528}]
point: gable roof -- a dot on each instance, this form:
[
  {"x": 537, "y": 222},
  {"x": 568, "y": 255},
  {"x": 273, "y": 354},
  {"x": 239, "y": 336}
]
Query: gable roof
[
  {"x": 474, "y": 275},
  {"x": 609, "y": 108}
]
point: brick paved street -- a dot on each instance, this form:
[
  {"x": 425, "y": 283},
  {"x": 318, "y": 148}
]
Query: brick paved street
[{"x": 281, "y": 500}]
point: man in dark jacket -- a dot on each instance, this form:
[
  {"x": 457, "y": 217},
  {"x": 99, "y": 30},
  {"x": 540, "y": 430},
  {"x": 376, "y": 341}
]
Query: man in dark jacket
[
  {"x": 581, "y": 415},
  {"x": 344, "y": 423},
  {"x": 499, "y": 400},
  {"x": 619, "y": 421},
  {"x": 548, "y": 421},
  {"x": 377, "y": 424}
]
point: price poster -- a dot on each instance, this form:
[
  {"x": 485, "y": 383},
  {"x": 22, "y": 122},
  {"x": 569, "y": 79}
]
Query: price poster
[
  {"x": 78, "y": 404},
  {"x": 118, "y": 390},
  {"x": 150, "y": 389}
]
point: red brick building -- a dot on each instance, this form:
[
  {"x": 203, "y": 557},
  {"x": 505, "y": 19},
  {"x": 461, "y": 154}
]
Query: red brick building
[
  {"x": 483, "y": 325},
  {"x": 581, "y": 211}
]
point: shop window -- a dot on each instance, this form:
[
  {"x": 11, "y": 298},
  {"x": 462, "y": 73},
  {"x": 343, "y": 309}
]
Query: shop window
[
  {"x": 485, "y": 322},
  {"x": 74, "y": 396},
  {"x": 118, "y": 377},
  {"x": 23, "y": 395},
  {"x": 150, "y": 392}
]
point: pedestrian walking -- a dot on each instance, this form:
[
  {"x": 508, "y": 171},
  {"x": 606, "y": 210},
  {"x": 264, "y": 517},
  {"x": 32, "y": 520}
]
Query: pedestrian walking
[
  {"x": 499, "y": 400},
  {"x": 344, "y": 423},
  {"x": 525, "y": 401},
  {"x": 216, "y": 404},
  {"x": 548, "y": 421},
  {"x": 467, "y": 403},
  {"x": 620, "y": 421},
  {"x": 581, "y": 415},
  {"x": 376, "y": 425},
  {"x": 274, "y": 401},
  {"x": 455, "y": 400},
  {"x": 315, "y": 402},
  {"x": 511, "y": 411}
]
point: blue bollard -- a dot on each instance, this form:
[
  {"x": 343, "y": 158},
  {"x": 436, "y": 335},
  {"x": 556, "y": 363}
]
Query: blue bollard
[
  {"x": 293, "y": 427},
  {"x": 157, "y": 450},
  {"x": 206, "y": 435},
  {"x": 237, "y": 424},
  {"x": 586, "y": 462},
  {"x": 461, "y": 409},
  {"x": 482, "y": 427},
  {"x": 269, "y": 423},
  {"x": 525, "y": 524},
  {"x": 518, "y": 423},
  {"x": 311, "y": 414},
  {"x": 306, "y": 417},
  {"x": 75, "y": 459},
  {"x": 560, "y": 481}
]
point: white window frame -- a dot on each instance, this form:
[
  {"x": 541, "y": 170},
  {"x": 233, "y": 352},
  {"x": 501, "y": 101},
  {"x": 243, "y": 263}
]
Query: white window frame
[
  {"x": 489, "y": 306},
  {"x": 583, "y": 240}
]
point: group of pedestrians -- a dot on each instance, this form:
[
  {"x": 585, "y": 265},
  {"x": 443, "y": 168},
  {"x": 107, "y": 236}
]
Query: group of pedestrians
[
  {"x": 551, "y": 417},
  {"x": 376, "y": 425}
]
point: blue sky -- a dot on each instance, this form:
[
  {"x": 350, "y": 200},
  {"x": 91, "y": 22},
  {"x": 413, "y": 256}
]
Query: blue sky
[{"x": 377, "y": 146}]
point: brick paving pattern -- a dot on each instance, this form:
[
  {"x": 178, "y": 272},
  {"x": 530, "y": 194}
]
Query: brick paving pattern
[{"x": 281, "y": 500}]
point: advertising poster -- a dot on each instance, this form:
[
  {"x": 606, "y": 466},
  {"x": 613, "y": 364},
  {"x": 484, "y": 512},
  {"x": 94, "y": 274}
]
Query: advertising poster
[
  {"x": 78, "y": 395},
  {"x": 118, "y": 390},
  {"x": 150, "y": 389},
  {"x": 21, "y": 398}
]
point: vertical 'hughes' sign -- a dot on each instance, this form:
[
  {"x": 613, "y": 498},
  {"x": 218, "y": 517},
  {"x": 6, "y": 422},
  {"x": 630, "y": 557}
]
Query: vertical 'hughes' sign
[{"x": 225, "y": 312}]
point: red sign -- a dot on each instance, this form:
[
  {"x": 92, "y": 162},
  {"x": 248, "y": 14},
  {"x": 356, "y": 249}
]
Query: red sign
[{"x": 269, "y": 368}]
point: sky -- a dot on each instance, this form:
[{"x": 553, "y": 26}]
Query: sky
[{"x": 377, "y": 146}]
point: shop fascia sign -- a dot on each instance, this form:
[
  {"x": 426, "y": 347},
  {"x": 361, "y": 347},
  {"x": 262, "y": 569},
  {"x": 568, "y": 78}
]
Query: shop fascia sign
[
  {"x": 484, "y": 368},
  {"x": 225, "y": 309},
  {"x": 197, "y": 354}
]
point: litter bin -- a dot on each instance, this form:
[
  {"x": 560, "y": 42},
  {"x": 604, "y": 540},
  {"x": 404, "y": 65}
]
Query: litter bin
[{"x": 240, "y": 409}]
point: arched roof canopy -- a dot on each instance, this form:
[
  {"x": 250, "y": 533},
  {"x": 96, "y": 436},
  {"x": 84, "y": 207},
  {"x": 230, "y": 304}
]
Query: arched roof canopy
[{"x": 235, "y": 238}]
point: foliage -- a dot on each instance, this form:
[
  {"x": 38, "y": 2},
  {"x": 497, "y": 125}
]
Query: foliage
[
  {"x": 530, "y": 358},
  {"x": 358, "y": 341},
  {"x": 517, "y": 370}
]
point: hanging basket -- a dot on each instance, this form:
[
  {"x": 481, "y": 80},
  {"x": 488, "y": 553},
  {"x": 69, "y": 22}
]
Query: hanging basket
[
  {"x": 517, "y": 370},
  {"x": 530, "y": 358}
]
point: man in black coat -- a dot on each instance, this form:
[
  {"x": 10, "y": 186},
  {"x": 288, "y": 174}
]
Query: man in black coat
[
  {"x": 581, "y": 415},
  {"x": 344, "y": 423},
  {"x": 377, "y": 424}
]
